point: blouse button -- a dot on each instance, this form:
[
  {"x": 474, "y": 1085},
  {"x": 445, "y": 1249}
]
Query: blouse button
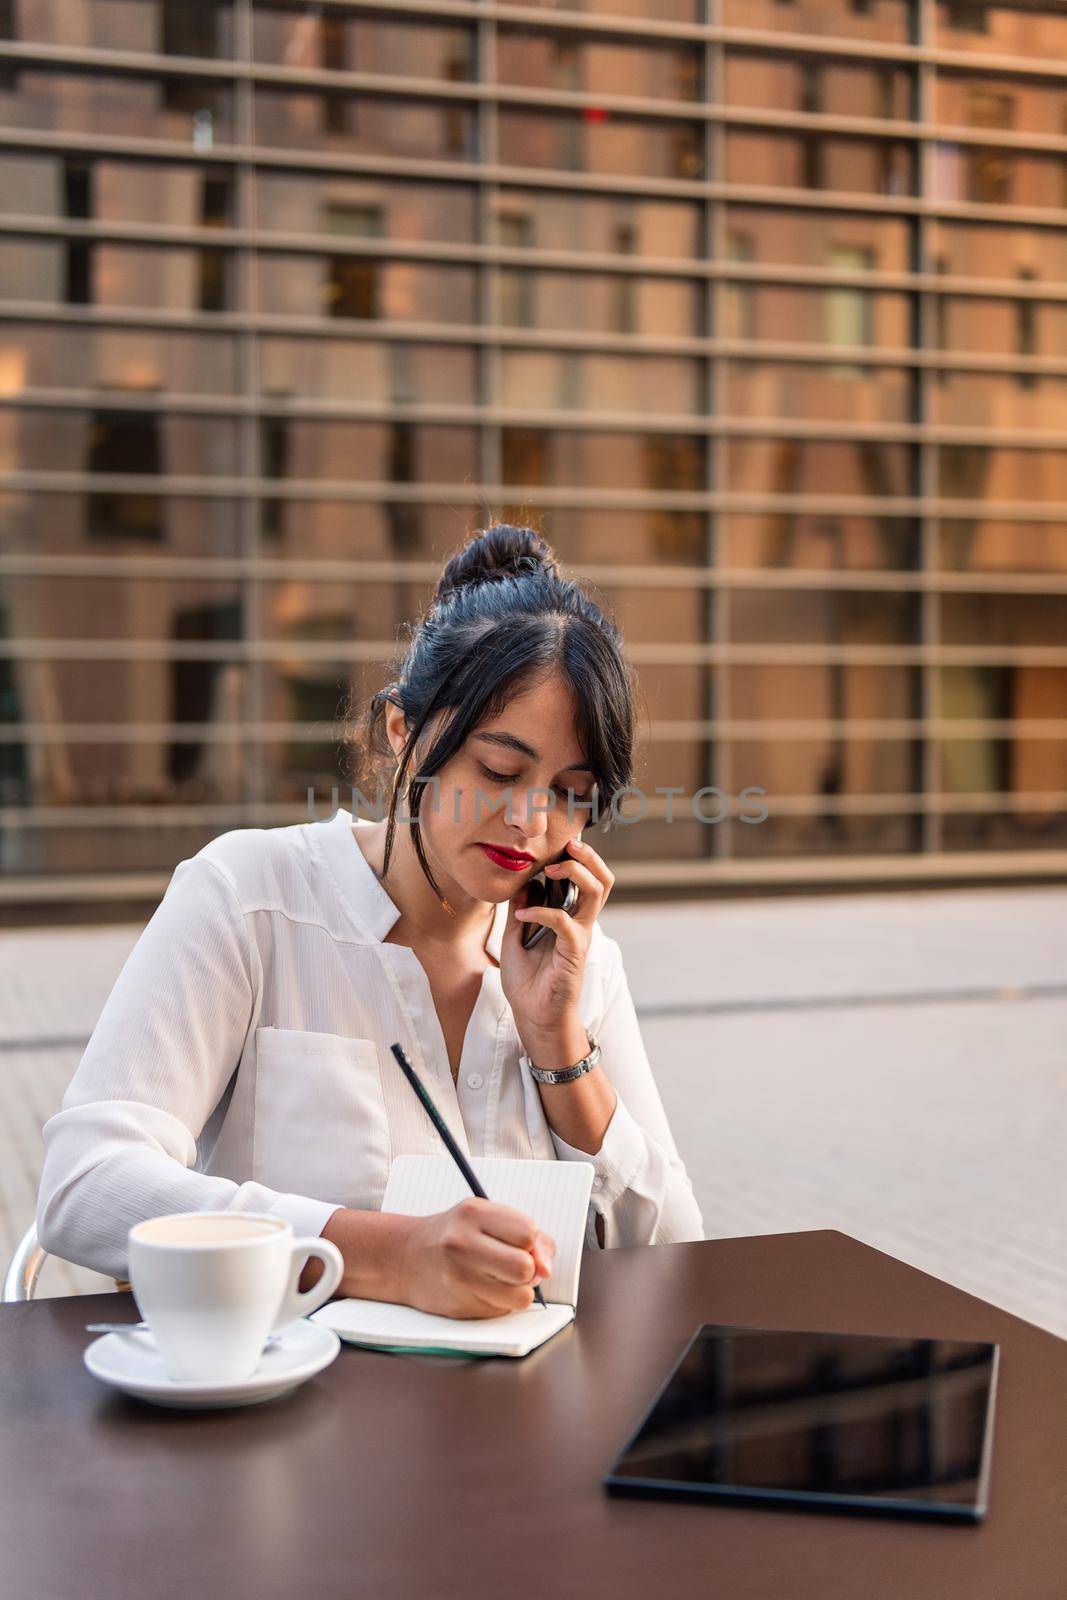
[
  {"x": 598, "y": 1182},
  {"x": 474, "y": 1080}
]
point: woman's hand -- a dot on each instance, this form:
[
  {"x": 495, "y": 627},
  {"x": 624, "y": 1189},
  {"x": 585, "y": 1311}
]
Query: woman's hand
[
  {"x": 543, "y": 985},
  {"x": 478, "y": 1259}
]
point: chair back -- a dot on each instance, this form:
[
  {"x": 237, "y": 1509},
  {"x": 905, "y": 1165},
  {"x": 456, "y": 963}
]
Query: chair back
[{"x": 24, "y": 1268}]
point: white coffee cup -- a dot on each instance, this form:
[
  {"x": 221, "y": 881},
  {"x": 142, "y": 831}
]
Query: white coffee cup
[{"x": 212, "y": 1285}]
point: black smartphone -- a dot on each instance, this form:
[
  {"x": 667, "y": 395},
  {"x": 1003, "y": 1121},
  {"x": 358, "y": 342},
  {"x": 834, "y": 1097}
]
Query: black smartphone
[{"x": 557, "y": 894}]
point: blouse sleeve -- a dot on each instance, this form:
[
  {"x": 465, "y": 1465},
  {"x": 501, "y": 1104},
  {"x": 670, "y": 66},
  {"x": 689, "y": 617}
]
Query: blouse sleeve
[
  {"x": 165, "y": 1046},
  {"x": 640, "y": 1185}
]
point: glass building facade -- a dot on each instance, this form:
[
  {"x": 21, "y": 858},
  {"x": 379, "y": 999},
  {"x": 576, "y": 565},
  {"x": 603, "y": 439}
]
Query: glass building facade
[{"x": 758, "y": 308}]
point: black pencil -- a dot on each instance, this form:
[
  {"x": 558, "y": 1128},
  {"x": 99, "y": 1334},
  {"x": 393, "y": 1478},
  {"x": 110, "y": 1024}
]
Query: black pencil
[{"x": 450, "y": 1144}]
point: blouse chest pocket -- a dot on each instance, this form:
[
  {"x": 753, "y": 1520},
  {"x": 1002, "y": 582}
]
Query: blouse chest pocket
[{"x": 321, "y": 1127}]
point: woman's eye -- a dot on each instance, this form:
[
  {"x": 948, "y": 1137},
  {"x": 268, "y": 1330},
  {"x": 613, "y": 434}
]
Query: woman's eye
[
  {"x": 499, "y": 777},
  {"x": 582, "y": 799}
]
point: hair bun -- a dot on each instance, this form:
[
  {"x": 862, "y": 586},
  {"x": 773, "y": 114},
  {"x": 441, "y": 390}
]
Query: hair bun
[{"x": 501, "y": 551}]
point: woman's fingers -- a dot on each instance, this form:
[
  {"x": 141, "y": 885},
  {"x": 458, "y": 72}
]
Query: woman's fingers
[{"x": 509, "y": 1245}]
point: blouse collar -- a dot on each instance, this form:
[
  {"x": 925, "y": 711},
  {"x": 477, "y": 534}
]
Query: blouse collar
[{"x": 372, "y": 907}]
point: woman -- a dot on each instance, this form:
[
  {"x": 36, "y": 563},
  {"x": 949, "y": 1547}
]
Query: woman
[{"x": 242, "y": 1059}]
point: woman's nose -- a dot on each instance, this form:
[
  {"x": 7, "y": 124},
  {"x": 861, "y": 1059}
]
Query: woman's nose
[{"x": 530, "y": 811}]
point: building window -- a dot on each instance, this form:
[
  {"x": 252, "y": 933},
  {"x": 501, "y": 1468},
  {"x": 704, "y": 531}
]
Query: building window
[
  {"x": 849, "y": 311},
  {"x": 125, "y": 442},
  {"x": 967, "y": 16},
  {"x": 352, "y": 290},
  {"x": 987, "y": 108},
  {"x": 988, "y": 176},
  {"x": 515, "y": 230}
]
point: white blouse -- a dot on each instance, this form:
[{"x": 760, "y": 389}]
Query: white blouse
[{"x": 241, "y": 1062}]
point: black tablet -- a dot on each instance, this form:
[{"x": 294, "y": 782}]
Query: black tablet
[{"x": 820, "y": 1421}]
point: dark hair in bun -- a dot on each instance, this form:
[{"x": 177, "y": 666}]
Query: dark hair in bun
[
  {"x": 500, "y": 552},
  {"x": 503, "y": 617}
]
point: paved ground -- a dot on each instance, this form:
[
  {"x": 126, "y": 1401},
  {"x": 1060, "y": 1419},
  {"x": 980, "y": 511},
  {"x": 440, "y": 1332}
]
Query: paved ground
[{"x": 891, "y": 1065}]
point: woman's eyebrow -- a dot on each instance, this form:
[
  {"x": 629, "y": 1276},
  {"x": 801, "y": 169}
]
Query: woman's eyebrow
[{"x": 511, "y": 741}]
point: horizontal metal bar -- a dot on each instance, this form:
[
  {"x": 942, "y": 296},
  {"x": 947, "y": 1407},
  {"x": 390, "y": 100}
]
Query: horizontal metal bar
[
  {"x": 542, "y": 98},
  {"x": 623, "y": 576},
  {"x": 759, "y": 352},
  {"x": 657, "y": 731},
  {"x": 753, "y": 274},
  {"x": 345, "y": 652},
  {"x": 532, "y": 495},
  {"x": 578, "y": 421},
  {"x": 483, "y": 173}
]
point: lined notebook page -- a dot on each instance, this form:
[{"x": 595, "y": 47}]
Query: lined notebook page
[
  {"x": 391, "y": 1327},
  {"x": 554, "y": 1193}
]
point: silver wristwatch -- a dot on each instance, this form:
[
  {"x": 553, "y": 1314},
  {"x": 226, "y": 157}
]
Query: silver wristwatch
[{"x": 567, "y": 1074}]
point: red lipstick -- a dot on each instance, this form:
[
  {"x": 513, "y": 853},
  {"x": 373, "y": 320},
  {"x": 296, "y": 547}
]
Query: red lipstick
[{"x": 512, "y": 861}]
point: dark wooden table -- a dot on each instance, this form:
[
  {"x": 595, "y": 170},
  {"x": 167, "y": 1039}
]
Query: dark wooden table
[{"x": 427, "y": 1478}]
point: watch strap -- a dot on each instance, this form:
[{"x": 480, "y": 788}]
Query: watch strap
[{"x": 567, "y": 1074}]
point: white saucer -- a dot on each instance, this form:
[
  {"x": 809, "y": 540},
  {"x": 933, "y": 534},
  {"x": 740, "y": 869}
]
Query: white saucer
[{"x": 132, "y": 1363}]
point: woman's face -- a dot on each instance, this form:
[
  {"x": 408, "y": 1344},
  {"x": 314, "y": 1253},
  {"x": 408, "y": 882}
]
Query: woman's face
[{"x": 532, "y": 749}]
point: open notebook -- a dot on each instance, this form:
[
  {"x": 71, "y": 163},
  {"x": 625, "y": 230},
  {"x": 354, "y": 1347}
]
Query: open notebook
[{"x": 554, "y": 1193}]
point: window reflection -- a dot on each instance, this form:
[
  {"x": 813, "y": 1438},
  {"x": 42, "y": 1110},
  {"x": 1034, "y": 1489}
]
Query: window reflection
[
  {"x": 168, "y": 27},
  {"x": 984, "y": 101},
  {"x": 108, "y": 439},
  {"x": 833, "y": 692},
  {"x": 807, "y": 466},
  {"x": 796, "y": 390},
  {"x": 596, "y": 140},
  {"x": 999, "y": 400},
  {"x": 364, "y": 208},
  {"x": 826, "y": 767},
  {"x": 368, "y": 124},
  {"x": 533, "y": 380},
  {"x": 1007, "y": 29},
  {"x": 816, "y": 316},
  {"x": 971, "y": 472},
  {"x": 986, "y": 250},
  {"x": 116, "y": 275},
  {"x": 117, "y": 607},
  {"x": 39, "y": 356},
  {"x": 187, "y": 768},
  {"x": 828, "y": 87},
  {"x": 667, "y": 462},
  {"x": 831, "y": 833},
  {"x": 813, "y": 160},
  {"x": 358, "y": 609},
  {"x": 398, "y": 452},
  {"x": 204, "y": 526},
  {"x": 95, "y": 188},
  {"x": 665, "y": 10},
  {"x": 996, "y": 176},
  {"x": 871, "y": 19},
  {"x": 306, "y": 35},
  {"x": 816, "y": 238},
  {"x": 821, "y": 540},
  {"x": 602, "y": 302},
  {"x": 1004, "y": 619},
  {"x": 196, "y": 111},
  {"x": 814, "y": 616},
  {"x": 1002, "y": 830},
  {"x": 364, "y": 372},
  {"x": 365, "y": 287},
  {"x": 527, "y": 219},
  {"x": 1001, "y": 766},
  {"x": 357, "y": 530},
  {"x": 1001, "y": 327},
  {"x": 974, "y": 545},
  {"x": 542, "y": 60}
]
